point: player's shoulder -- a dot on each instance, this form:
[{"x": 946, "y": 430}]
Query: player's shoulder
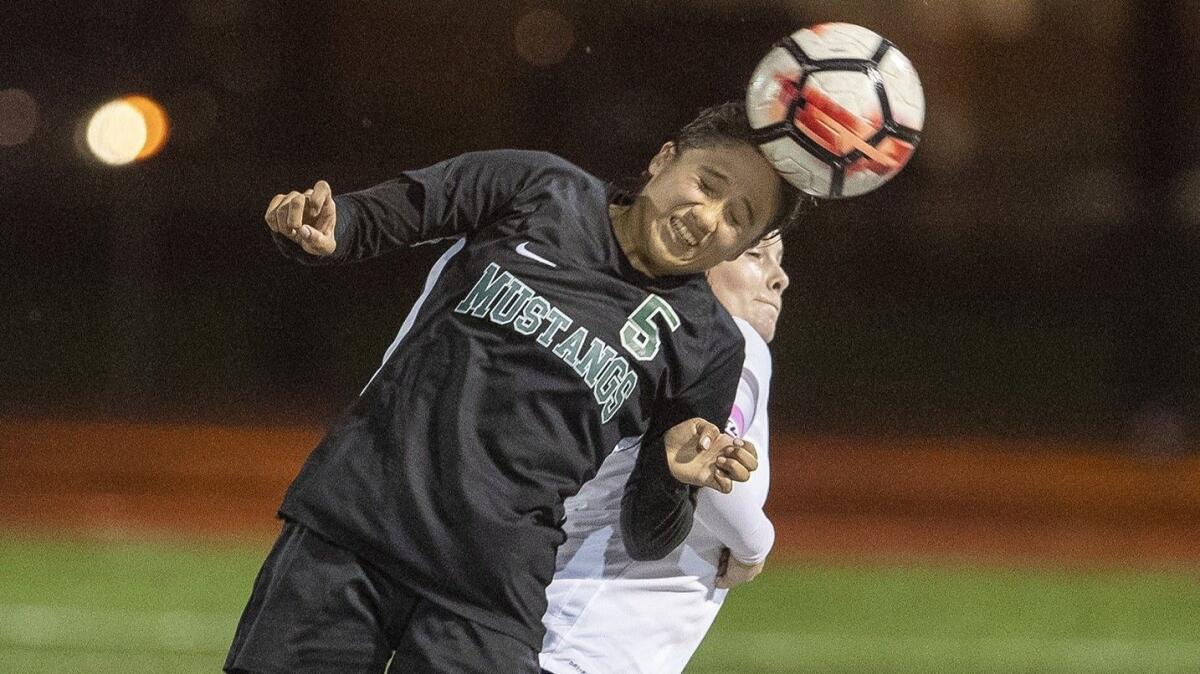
[
  {"x": 758, "y": 354},
  {"x": 723, "y": 321},
  {"x": 705, "y": 305},
  {"x": 712, "y": 319},
  {"x": 533, "y": 163}
]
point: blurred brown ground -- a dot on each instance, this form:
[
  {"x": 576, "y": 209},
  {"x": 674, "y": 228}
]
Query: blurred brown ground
[{"x": 964, "y": 499}]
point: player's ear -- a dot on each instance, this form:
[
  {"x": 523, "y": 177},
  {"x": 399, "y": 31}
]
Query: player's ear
[{"x": 666, "y": 154}]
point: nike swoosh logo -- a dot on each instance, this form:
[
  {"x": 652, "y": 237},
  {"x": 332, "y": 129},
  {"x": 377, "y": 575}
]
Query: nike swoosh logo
[{"x": 523, "y": 249}]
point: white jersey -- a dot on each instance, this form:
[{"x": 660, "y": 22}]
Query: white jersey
[{"x": 609, "y": 614}]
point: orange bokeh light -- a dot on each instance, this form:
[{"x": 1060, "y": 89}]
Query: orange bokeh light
[{"x": 158, "y": 127}]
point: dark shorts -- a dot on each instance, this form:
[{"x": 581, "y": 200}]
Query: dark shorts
[{"x": 317, "y": 607}]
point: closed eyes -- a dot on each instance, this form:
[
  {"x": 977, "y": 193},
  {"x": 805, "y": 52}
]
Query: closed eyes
[{"x": 709, "y": 190}]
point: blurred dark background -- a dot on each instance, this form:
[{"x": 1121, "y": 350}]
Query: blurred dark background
[{"x": 1031, "y": 273}]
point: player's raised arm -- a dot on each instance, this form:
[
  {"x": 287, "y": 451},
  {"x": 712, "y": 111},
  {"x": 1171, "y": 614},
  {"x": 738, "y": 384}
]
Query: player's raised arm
[
  {"x": 657, "y": 509},
  {"x": 314, "y": 227},
  {"x": 659, "y": 499},
  {"x": 737, "y": 520},
  {"x": 658, "y": 504},
  {"x": 449, "y": 199}
]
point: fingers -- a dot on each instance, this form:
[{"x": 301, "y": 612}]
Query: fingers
[
  {"x": 293, "y": 208},
  {"x": 685, "y": 435},
  {"x": 279, "y": 216},
  {"x": 320, "y": 215},
  {"x": 285, "y": 213},
  {"x": 721, "y": 482},
  {"x": 315, "y": 242},
  {"x": 732, "y": 469},
  {"x": 743, "y": 454},
  {"x": 737, "y": 573},
  {"x": 269, "y": 216},
  {"x": 706, "y": 433},
  {"x": 749, "y": 447},
  {"x": 737, "y": 458},
  {"x": 306, "y": 218},
  {"x": 699, "y": 454},
  {"x": 321, "y": 197}
]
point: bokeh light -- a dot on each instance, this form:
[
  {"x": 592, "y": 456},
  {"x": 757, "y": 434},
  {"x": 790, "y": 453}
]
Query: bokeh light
[
  {"x": 128, "y": 129},
  {"x": 157, "y": 127},
  {"x": 18, "y": 116},
  {"x": 543, "y": 37}
]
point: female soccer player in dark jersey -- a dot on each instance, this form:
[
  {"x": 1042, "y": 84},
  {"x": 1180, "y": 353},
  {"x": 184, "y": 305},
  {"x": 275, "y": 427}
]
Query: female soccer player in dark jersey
[{"x": 563, "y": 321}]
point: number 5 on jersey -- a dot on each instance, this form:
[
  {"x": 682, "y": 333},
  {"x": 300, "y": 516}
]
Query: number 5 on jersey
[{"x": 640, "y": 335}]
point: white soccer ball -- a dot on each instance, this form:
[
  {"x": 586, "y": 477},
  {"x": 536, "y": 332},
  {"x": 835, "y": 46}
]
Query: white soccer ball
[{"x": 836, "y": 108}]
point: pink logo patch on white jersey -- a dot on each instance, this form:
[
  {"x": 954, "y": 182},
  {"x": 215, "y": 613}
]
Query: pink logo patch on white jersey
[{"x": 736, "y": 423}]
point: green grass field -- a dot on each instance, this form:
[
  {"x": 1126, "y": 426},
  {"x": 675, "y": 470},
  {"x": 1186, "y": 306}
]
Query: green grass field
[{"x": 133, "y": 608}]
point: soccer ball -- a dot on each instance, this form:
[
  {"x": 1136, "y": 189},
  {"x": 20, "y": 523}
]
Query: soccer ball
[{"x": 836, "y": 108}]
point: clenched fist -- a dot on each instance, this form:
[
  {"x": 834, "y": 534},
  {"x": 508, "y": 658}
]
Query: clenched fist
[{"x": 307, "y": 218}]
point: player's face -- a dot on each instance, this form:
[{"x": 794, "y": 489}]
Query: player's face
[
  {"x": 751, "y": 287},
  {"x": 703, "y": 206}
]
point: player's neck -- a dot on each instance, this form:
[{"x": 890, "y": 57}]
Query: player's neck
[{"x": 629, "y": 236}]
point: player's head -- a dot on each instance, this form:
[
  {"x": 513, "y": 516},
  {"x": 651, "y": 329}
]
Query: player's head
[
  {"x": 751, "y": 286},
  {"x": 711, "y": 194}
]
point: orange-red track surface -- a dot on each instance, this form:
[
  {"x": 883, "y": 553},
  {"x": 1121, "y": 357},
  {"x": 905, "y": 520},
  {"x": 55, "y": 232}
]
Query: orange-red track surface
[{"x": 975, "y": 500}]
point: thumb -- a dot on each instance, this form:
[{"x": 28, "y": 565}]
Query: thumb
[
  {"x": 315, "y": 242},
  {"x": 318, "y": 195},
  {"x": 706, "y": 433},
  {"x": 323, "y": 208}
]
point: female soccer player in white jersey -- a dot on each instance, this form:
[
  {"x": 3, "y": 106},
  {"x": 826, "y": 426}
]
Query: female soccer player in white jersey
[{"x": 610, "y": 614}]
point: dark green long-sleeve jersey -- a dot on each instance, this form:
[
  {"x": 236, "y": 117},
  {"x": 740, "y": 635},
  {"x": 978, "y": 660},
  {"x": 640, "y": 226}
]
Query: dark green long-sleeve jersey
[{"x": 533, "y": 351}]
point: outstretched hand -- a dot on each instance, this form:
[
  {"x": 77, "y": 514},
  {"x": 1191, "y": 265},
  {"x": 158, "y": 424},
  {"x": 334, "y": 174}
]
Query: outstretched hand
[
  {"x": 699, "y": 454},
  {"x": 306, "y": 218}
]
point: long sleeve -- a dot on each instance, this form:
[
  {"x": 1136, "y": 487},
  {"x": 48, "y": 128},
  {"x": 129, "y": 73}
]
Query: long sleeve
[
  {"x": 737, "y": 519},
  {"x": 656, "y": 509},
  {"x": 451, "y": 198}
]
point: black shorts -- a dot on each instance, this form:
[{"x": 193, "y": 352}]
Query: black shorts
[{"x": 317, "y": 607}]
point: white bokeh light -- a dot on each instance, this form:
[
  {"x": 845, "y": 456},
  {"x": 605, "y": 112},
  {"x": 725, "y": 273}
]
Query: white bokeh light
[{"x": 117, "y": 132}]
